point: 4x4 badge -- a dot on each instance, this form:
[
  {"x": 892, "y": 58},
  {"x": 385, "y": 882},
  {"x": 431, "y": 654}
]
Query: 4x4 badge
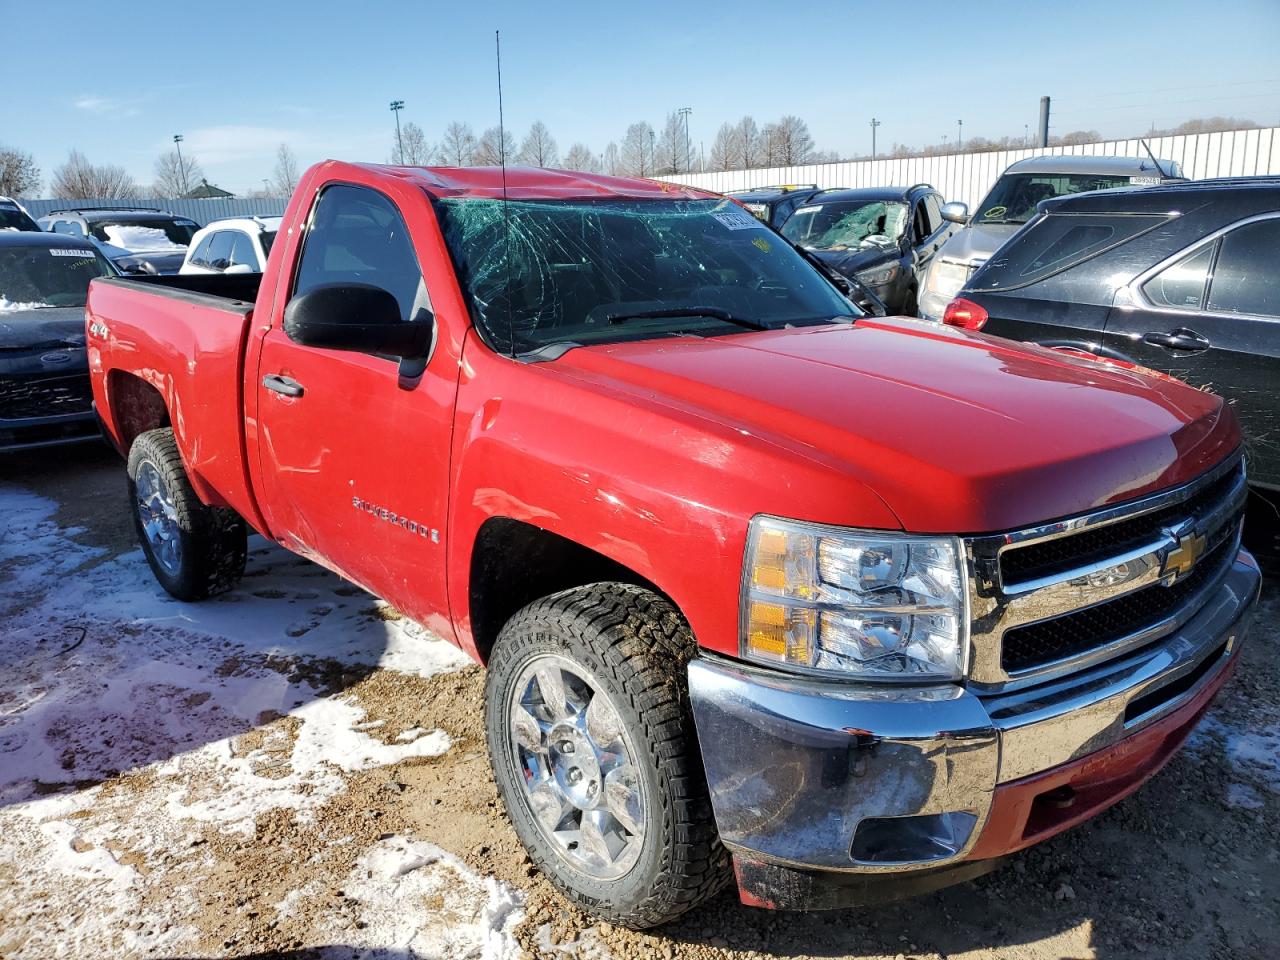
[{"x": 1181, "y": 558}]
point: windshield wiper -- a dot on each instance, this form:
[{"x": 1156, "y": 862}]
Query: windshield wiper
[{"x": 714, "y": 313}]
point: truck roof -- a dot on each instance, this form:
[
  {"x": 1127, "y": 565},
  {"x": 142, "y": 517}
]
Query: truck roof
[
  {"x": 1069, "y": 163},
  {"x": 532, "y": 183}
]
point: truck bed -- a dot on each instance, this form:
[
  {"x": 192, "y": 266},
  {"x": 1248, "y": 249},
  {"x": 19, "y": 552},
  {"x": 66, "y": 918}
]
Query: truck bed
[{"x": 186, "y": 337}]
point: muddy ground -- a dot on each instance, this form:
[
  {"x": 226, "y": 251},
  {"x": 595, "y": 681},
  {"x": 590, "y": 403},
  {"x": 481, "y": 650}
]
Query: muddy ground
[{"x": 293, "y": 770}]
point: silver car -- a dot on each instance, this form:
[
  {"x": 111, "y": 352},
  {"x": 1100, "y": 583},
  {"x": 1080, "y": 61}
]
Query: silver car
[{"x": 1012, "y": 201}]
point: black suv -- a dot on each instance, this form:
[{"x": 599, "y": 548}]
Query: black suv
[
  {"x": 137, "y": 239},
  {"x": 1182, "y": 279},
  {"x": 883, "y": 237},
  {"x": 13, "y": 217},
  {"x": 774, "y": 204}
]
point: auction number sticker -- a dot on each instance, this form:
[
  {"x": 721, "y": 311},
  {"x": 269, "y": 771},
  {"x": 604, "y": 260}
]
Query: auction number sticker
[
  {"x": 737, "y": 219},
  {"x": 68, "y": 252}
]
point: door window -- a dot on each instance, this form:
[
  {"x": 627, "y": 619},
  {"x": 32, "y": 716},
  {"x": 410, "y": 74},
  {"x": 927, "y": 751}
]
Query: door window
[
  {"x": 356, "y": 235},
  {"x": 200, "y": 256},
  {"x": 1244, "y": 278},
  {"x": 242, "y": 251},
  {"x": 1182, "y": 284},
  {"x": 933, "y": 203},
  {"x": 923, "y": 229},
  {"x": 220, "y": 249}
]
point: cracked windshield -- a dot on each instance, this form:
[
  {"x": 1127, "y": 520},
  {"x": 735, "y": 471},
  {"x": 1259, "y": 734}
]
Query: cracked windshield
[
  {"x": 537, "y": 273},
  {"x": 848, "y": 226}
]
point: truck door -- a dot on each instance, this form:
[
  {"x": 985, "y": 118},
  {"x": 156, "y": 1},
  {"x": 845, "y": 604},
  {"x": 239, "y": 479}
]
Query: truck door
[
  {"x": 1212, "y": 318},
  {"x": 354, "y": 461}
]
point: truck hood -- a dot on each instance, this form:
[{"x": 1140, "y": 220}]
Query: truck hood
[
  {"x": 41, "y": 328},
  {"x": 849, "y": 262},
  {"x": 957, "y": 432},
  {"x": 977, "y": 241}
]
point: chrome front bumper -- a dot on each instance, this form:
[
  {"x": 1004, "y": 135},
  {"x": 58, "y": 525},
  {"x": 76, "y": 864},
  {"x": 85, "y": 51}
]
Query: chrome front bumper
[{"x": 867, "y": 779}]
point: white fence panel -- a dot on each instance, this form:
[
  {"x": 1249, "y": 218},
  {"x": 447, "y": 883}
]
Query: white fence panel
[{"x": 968, "y": 176}]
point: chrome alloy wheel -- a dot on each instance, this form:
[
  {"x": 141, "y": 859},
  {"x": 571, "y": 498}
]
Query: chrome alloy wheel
[
  {"x": 159, "y": 517},
  {"x": 580, "y": 778}
]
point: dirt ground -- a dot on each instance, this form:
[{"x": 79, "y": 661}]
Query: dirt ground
[{"x": 293, "y": 770}]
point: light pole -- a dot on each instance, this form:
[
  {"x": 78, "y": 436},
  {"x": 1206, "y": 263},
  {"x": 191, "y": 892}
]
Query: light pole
[
  {"x": 959, "y": 135},
  {"x": 182, "y": 170},
  {"x": 653, "y": 152},
  {"x": 688, "y": 161},
  {"x": 396, "y": 107},
  {"x": 874, "y": 123},
  {"x": 266, "y": 185},
  {"x": 1026, "y": 135}
]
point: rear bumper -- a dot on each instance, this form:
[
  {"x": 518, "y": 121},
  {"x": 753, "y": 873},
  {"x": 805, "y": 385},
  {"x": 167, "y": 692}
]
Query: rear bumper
[{"x": 829, "y": 794}]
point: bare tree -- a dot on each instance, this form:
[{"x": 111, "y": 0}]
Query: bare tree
[
  {"x": 724, "y": 148},
  {"x": 539, "y": 148},
  {"x": 580, "y": 157},
  {"x": 78, "y": 179},
  {"x": 411, "y": 148},
  {"x": 176, "y": 177},
  {"x": 19, "y": 175},
  {"x": 459, "y": 145},
  {"x": 637, "y": 150},
  {"x": 495, "y": 147},
  {"x": 748, "y": 143},
  {"x": 672, "y": 152},
  {"x": 285, "y": 175},
  {"x": 792, "y": 143},
  {"x": 611, "y": 161}
]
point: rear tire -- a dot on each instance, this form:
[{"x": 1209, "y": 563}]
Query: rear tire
[
  {"x": 195, "y": 551},
  {"x": 614, "y": 657}
]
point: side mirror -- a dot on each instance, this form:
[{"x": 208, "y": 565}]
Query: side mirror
[
  {"x": 238, "y": 268},
  {"x": 358, "y": 317},
  {"x": 955, "y": 212}
]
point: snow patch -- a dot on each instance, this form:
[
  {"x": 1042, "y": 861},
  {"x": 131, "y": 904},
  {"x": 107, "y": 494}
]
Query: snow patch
[
  {"x": 139, "y": 239},
  {"x": 1253, "y": 753},
  {"x": 6, "y": 304}
]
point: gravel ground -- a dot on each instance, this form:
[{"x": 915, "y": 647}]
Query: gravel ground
[{"x": 293, "y": 770}]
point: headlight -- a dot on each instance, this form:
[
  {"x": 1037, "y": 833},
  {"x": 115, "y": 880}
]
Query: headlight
[
  {"x": 877, "y": 276},
  {"x": 865, "y": 604},
  {"x": 945, "y": 278}
]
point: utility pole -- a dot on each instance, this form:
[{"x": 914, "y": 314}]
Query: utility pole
[
  {"x": 959, "y": 135},
  {"x": 1044, "y": 121},
  {"x": 266, "y": 185},
  {"x": 653, "y": 152},
  {"x": 874, "y": 123},
  {"x": 396, "y": 107},
  {"x": 688, "y": 160},
  {"x": 1026, "y": 135},
  {"x": 182, "y": 170}
]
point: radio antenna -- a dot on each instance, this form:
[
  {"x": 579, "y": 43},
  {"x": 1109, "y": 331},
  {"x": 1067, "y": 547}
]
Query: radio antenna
[
  {"x": 506, "y": 210},
  {"x": 1147, "y": 147}
]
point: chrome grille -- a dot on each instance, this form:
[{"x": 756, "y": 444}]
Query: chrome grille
[{"x": 1058, "y": 597}]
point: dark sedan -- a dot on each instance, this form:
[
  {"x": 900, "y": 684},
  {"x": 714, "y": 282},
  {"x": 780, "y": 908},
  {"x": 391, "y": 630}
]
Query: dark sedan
[
  {"x": 1181, "y": 279},
  {"x": 883, "y": 237},
  {"x": 44, "y": 371}
]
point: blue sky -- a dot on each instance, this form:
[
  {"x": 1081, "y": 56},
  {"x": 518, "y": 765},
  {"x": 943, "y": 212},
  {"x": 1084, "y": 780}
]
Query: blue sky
[{"x": 236, "y": 79}]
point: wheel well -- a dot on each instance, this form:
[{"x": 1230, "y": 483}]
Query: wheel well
[
  {"x": 136, "y": 406},
  {"x": 515, "y": 563}
]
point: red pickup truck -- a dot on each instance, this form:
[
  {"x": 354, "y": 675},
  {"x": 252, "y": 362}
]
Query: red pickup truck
[{"x": 856, "y": 605}]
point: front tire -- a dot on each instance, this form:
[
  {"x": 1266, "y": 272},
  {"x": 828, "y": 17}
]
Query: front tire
[
  {"x": 194, "y": 550},
  {"x": 595, "y": 754}
]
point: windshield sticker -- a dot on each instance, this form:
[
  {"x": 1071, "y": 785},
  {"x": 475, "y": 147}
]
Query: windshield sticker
[
  {"x": 761, "y": 244},
  {"x": 809, "y": 209},
  {"x": 1144, "y": 180},
  {"x": 737, "y": 219},
  {"x": 69, "y": 252},
  {"x": 995, "y": 213}
]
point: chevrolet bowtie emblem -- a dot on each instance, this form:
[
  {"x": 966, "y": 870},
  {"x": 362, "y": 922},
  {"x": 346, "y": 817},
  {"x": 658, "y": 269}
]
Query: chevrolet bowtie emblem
[{"x": 1179, "y": 560}]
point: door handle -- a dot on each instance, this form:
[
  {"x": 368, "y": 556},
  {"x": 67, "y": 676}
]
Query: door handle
[
  {"x": 282, "y": 384},
  {"x": 1182, "y": 339}
]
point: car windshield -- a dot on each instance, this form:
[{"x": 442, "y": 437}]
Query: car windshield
[
  {"x": 848, "y": 225},
  {"x": 594, "y": 271},
  {"x": 144, "y": 233},
  {"x": 1014, "y": 197},
  {"x": 11, "y": 218},
  {"x": 44, "y": 276}
]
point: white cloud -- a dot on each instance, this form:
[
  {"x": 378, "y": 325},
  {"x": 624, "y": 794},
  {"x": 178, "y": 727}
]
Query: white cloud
[{"x": 107, "y": 106}]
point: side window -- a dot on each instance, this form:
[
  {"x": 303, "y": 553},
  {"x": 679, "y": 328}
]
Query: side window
[
  {"x": 220, "y": 250},
  {"x": 69, "y": 227},
  {"x": 1182, "y": 284},
  {"x": 922, "y": 230},
  {"x": 200, "y": 256},
  {"x": 934, "y": 204},
  {"x": 242, "y": 250},
  {"x": 356, "y": 235},
  {"x": 1244, "y": 278}
]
